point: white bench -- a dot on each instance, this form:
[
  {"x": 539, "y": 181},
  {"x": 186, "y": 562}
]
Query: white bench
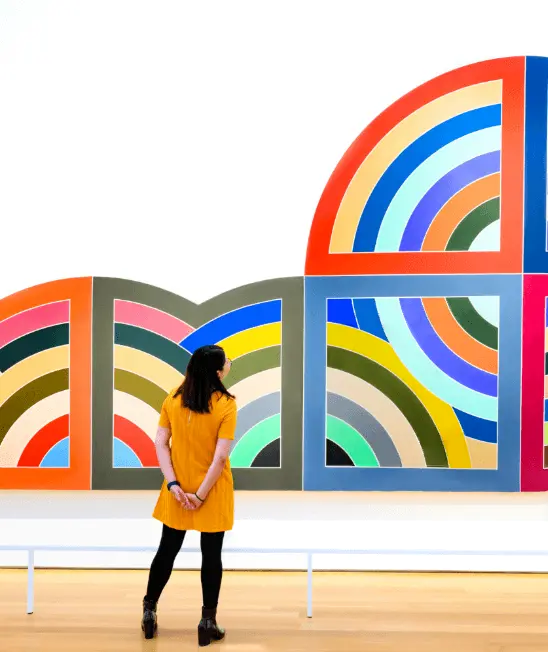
[{"x": 309, "y": 553}]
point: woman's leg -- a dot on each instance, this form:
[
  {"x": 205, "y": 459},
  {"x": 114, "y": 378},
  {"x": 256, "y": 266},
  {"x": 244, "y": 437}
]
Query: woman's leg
[
  {"x": 212, "y": 567},
  {"x": 162, "y": 565},
  {"x": 212, "y": 575}
]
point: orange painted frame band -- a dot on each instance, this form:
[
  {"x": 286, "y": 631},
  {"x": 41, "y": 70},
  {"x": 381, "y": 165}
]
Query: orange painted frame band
[
  {"x": 78, "y": 475},
  {"x": 509, "y": 259}
]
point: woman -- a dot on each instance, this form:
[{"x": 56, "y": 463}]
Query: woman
[{"x": 198, "y": 491}]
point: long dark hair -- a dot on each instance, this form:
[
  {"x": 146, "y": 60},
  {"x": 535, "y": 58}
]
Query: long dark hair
[{"x": 202, "y": 379}]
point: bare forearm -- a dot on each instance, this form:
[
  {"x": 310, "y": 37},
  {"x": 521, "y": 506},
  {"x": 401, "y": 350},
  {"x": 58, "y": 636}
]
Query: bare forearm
[
  {"x": 211, "y": 478},
  {"x": 163, "y": 452}
]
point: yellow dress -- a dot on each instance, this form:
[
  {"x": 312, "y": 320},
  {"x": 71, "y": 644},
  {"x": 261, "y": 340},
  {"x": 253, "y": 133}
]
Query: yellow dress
[{"x": 193, "y": 441}]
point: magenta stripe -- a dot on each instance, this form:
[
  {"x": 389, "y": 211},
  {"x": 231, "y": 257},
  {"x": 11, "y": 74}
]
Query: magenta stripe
[
  {"x": 31, "y": 320},
  {"x": 136, "y": 314}
]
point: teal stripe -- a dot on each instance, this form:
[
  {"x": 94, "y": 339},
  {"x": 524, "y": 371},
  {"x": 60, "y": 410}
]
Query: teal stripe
[
  {"x": 254, "y": 440},
  {"x": 352, "y": 443},
  {"x": 425, "y": 371},
  {"x": 419, "y": 182}
]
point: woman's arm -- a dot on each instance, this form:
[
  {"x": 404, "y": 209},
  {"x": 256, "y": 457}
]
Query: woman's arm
[
  {"x": 222, "y": 452},
  {"x": 163, "y": 451}
]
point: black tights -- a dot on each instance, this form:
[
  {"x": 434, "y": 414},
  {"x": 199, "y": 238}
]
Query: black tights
[{"x": 212, "y": 567}]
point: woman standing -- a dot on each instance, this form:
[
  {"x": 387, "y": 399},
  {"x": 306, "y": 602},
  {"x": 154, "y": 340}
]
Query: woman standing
[{"x": 198, "y": 491}]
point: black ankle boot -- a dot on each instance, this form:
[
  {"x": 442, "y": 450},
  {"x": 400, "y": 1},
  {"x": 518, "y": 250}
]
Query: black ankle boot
[
  {"x": 149, "y": 624},
  {"x": 208, "y": 630}
]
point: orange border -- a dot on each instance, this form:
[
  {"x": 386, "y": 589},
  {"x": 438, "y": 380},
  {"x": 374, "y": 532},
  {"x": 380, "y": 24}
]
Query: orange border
[
  {"x": 78, "y": 475},
  {"x": 318, "y": 259}
]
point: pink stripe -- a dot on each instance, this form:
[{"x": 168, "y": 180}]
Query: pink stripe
[
  {"x": 31, "y": 320},
  {"x": 534, "y": 477},
  {"x": 136, "y": 314}
]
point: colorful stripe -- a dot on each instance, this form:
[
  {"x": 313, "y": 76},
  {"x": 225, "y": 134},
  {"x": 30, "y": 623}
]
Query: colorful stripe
[
  {"x": 457, "y": 165},
  {"x": 457, "y": 338},
  {"x": 29, "y": 395},
  {"x": 149, "y": 363},
  {"x": 253, "y": 339},
  {"x": 383, "y": 410},
  {"x": 58, "y": 456},
  {"x": 141, "y": 414},
  {"x": 28, "y": 369},
  {"x": 143, "y": 364},
  {"x": 397, "y": 139},
  {"x": 456, "y": 209},
  {"x": 364, "y": 423},
  {"x": 234, "y": 322},
  {"x": 426, "y": 372},
  {"x": 441, "y": 355},
  {"x": 33, "y": 343},
  {"x": 140, "y": 388},
  {"x": 34, "y": 319},
  {"x": 155, "y": 345},
  {"x": 31, "y": 421},
  {"x": 253, "y": 387},
  {"x": 148, "y": 318},
  {"x": 45, "y": 381},
  {"x": 423, "y": 422},
  {"x": 473, "y": 323},
  {"x": 470, "y": 228},
  {"x": 262, "y": 408},
  {"x": 432, "y": 156},
  {"x": 137, "y": 440},
  {"x": 256, "y": 440},
  {"x": 351, "y": 442},
  {"x": 442, "y": 192},
  {"x": 44, "y": 440}
]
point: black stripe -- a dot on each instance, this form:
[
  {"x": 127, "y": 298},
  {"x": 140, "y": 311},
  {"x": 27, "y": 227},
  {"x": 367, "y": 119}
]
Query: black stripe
[{"x": 32, "y": 343}]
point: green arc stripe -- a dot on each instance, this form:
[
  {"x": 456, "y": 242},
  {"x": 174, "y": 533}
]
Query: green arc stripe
[
  {"x": 352, "y": 443},
  {"x": 253, "y": 363},
  {"x": 32, "y": 343},
  {"x": 24, "y": 398},
  {"x": 400, "y": 394},
  {"x": 473, "y": 224},
  {"x": 254, "y": 440},
  {"x": 141, "y": 388},
  {"x": 473, "y": 323},
  {"x": 153, "y": 344}
]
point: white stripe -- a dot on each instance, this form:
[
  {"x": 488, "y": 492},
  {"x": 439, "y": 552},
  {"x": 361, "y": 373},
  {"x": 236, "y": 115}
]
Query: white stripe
[
  {"x": 256, "y": 386},
  {"x": 136, "y": 411},
  {"x": 29, "y": 423}
]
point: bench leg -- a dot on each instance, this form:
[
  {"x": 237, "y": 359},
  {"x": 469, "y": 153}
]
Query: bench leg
[
  {"x": 309, "y": 578},
  {"x": 30, "y": 583}
]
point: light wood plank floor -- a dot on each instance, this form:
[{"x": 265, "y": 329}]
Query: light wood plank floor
[{"x": 99, "y": 611}]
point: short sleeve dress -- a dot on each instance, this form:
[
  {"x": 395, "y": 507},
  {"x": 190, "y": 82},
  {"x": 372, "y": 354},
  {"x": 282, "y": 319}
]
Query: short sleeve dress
[{"x": 193, "y": 441}]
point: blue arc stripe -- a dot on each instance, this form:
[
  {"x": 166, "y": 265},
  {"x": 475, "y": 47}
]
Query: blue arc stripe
[
  {"x": 218, "y": 329},
  {"x": 411, "y": 157},
  {"x": 441, "y": 355},
  {"x": 441, "y": 192}
]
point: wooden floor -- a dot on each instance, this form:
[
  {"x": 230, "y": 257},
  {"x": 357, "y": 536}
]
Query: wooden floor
[{"x": 99, "y": 611}]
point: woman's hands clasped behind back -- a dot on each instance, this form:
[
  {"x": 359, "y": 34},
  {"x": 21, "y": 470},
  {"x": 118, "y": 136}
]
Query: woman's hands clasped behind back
[{"x": 187, "y": 500}]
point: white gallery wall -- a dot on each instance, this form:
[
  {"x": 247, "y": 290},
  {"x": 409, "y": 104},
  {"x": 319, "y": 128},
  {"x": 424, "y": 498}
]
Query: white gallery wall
[{"x": 186, "y": 145}]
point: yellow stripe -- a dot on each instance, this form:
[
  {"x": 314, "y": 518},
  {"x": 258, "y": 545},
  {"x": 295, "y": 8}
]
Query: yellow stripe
[
  {"x": 147, "y": 366},
  {"x": 31, "y": 368},
  {"x": 442, "y": 414},
  {"x": 395, "y": 141},
  {"x": 252, "y": 339}
]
